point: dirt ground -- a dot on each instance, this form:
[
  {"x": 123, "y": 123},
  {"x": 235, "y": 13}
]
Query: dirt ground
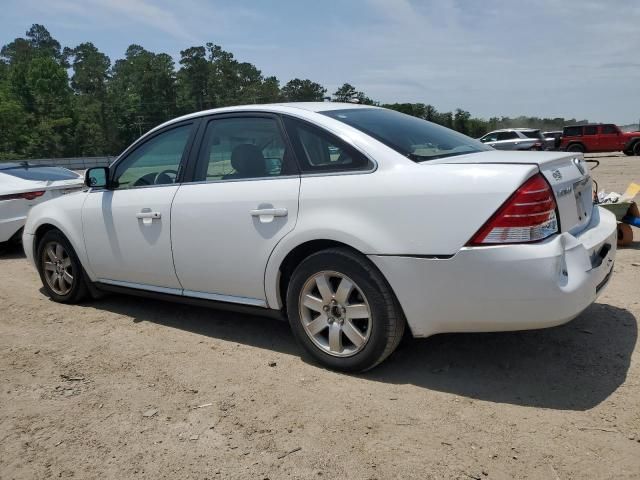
[{"x": 131, "y": 388}]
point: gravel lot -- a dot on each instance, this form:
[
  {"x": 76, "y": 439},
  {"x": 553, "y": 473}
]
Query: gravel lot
[{"x": 130, "y": 388}]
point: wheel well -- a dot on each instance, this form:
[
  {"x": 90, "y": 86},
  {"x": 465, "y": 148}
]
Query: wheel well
[
  {"x": 577, "y": 143},
  {"x": 40, "y": 232},
  {"x": 296, "y": 256}
]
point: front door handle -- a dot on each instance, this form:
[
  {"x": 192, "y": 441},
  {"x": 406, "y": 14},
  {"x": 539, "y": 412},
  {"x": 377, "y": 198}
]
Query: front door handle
[
  {"x": 147, "y": 216},
  {"x": 144, "y": 214},
  {"x": 266, "y": 215}
]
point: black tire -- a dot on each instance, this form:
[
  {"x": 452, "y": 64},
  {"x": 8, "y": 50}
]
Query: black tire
[
  {"x": 628, "y": 153},
  {"x": 386, "y": 320},
  {"x": 576, "y": 147},
  {"x": 636, "y": 148},
  {"x": 78, "y": 290}
]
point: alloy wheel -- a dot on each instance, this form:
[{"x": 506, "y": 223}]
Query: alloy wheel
[
  {"x": 57, "y": 268},
  {"x": 335, "y": 314}
]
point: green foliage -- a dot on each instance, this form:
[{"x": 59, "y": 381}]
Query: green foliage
[
  {"x": 297, "y": 90},
  {"x": 103, "y": 107}
]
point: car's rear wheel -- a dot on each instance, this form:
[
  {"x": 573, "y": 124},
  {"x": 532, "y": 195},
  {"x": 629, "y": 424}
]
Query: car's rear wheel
[
  {"x": 576, "y": 147},
  {"x": 636, "y": 148},
  {"x": 60, "y": 270},
  {"x": 342, "y": 311},
  {"x": 628, "y": 153}
]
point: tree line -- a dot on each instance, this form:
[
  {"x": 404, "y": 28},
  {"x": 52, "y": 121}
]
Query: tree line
[{"x": 63, "y": 102}]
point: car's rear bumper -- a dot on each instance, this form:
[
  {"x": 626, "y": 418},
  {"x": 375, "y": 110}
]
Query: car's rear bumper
[
  {"x": 506, "y": 287},
  {"x": 10, "y": 226}
]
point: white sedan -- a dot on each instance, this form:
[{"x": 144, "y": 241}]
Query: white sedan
[
  {"x": 23, "y": 185},
  {"x": 354, "y": 222}
]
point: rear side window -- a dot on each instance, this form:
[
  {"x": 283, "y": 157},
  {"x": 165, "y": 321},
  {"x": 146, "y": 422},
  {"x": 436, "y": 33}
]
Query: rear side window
[
  {"x": 507, "y": 135},
  {"x": 238, "y": 148},
  {"x": 532, "y": 133},
  {"x": 572, "y": 131},
  {"x": 591, "y": 130},
  {"x": 40, "y": 173},
  {"x": 319, "y": 151},
  {"x": 609, "y": 129}
]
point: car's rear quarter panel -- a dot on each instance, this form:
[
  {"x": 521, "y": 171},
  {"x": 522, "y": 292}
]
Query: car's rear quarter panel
[{"x": 412, "y": 209}]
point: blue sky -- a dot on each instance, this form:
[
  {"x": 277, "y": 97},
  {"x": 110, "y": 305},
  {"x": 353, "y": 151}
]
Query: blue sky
[{"x": 571, "y": 58}]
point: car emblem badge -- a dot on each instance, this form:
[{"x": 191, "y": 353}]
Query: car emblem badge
[
  {"x": 578, "y": 163},
  {"x": 557, "y": 175}
]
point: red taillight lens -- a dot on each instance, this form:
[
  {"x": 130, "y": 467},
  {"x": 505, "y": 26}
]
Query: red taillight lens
[
  {"x": 24, "y": 196},
  {"x": 528, "y": 215}
]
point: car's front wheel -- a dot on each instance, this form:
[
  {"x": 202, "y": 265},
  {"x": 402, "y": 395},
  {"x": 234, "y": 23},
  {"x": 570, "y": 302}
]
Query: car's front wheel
[
  {"x": 342, "y": 311},
  {"x": 60, "y": 270}
]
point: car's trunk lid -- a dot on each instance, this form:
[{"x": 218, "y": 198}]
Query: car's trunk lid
[{"x": 566, "y": 172}]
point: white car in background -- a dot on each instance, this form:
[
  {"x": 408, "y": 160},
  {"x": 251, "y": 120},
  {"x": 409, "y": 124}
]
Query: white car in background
[
  {"x": 354, "y": 222},
  {"x": 23, "y": 185}
]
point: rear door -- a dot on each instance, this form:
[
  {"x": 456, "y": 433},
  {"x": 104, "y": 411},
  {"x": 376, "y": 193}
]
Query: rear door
[
  {"x": 610, "y": 138},
  {"x": 243, "y": 199},
  {"x": 591, "y": 138},
  {"x": 507, "y": 141}
]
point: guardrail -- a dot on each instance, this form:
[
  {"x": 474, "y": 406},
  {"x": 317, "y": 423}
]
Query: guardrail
[{"x": 73, "y": 163}]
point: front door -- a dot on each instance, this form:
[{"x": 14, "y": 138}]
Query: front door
[
  {"x": 126, "y": 228},
  {"x": 243, "y": 201}
]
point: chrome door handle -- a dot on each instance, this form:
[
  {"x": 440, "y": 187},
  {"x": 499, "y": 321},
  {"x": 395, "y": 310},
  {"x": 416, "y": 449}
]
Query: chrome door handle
[
  {"x": 269, "y": 212},
  {"x": 144, "y": 214}
]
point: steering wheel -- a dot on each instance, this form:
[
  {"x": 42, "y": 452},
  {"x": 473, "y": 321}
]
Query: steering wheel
[{"x": 165, "y": 177}]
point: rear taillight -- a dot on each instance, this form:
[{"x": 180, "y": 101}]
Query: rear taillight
[
  {"x": 23, "y": 196},
  {"x": 528, "y": 215}
]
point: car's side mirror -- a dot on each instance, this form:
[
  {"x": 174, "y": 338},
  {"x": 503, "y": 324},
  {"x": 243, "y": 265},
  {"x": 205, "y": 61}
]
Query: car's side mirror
[{"x": 97, "y": 177}]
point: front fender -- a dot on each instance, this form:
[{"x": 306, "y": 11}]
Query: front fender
[{"x": 65, "y": 214}]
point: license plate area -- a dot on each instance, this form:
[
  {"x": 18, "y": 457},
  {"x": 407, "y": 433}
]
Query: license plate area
[{"x": 582, "y": 191}]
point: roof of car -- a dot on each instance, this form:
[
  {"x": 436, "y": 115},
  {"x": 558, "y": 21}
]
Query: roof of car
[
  {"x": 284, "y": 107},
  {"x": 515, "y": 130}
]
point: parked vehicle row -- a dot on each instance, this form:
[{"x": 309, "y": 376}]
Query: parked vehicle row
[
  {"x": 345, "y": 219},
  {"x": 605, "y": 137}
]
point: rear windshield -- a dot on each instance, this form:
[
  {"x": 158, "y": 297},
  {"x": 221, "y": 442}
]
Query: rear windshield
[
  {"x": 39, "y": 172},
  {"x": 413, "y": 137},
  {"x": 532, "y": 133}
]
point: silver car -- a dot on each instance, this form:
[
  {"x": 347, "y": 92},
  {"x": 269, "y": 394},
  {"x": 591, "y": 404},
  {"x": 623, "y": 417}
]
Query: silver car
[{"x": 515, "y": 139}]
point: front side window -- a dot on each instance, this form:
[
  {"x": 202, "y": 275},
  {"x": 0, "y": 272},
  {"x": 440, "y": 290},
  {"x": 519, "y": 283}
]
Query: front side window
[
  {"x": 591, "y": 130},
  {"x": 572, "y": 131},
  {"x": 490, "y": 137},
  {"x": 155, "y": 162},
  {"x": 412, "y": 137},
  {"x": 238, "y": 148},
  {"x": 319, "y": 151}
]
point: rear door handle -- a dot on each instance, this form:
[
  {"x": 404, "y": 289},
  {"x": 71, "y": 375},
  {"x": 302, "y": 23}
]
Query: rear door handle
[
  {"x": 269, "y": 212},
  {"x": 266, "y": 215}
]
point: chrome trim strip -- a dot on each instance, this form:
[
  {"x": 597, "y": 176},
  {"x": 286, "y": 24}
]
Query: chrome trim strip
[
  {"x": 226, "y": 298},
  {"x": 141, "y": 286}
]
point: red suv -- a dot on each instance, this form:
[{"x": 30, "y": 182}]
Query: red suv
[{"x": 602, "y": 137}]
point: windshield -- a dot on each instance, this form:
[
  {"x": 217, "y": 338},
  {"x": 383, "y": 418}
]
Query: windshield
[
  {"x": 412, "y": 137},
  {"x": 38, "y": 172}
]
